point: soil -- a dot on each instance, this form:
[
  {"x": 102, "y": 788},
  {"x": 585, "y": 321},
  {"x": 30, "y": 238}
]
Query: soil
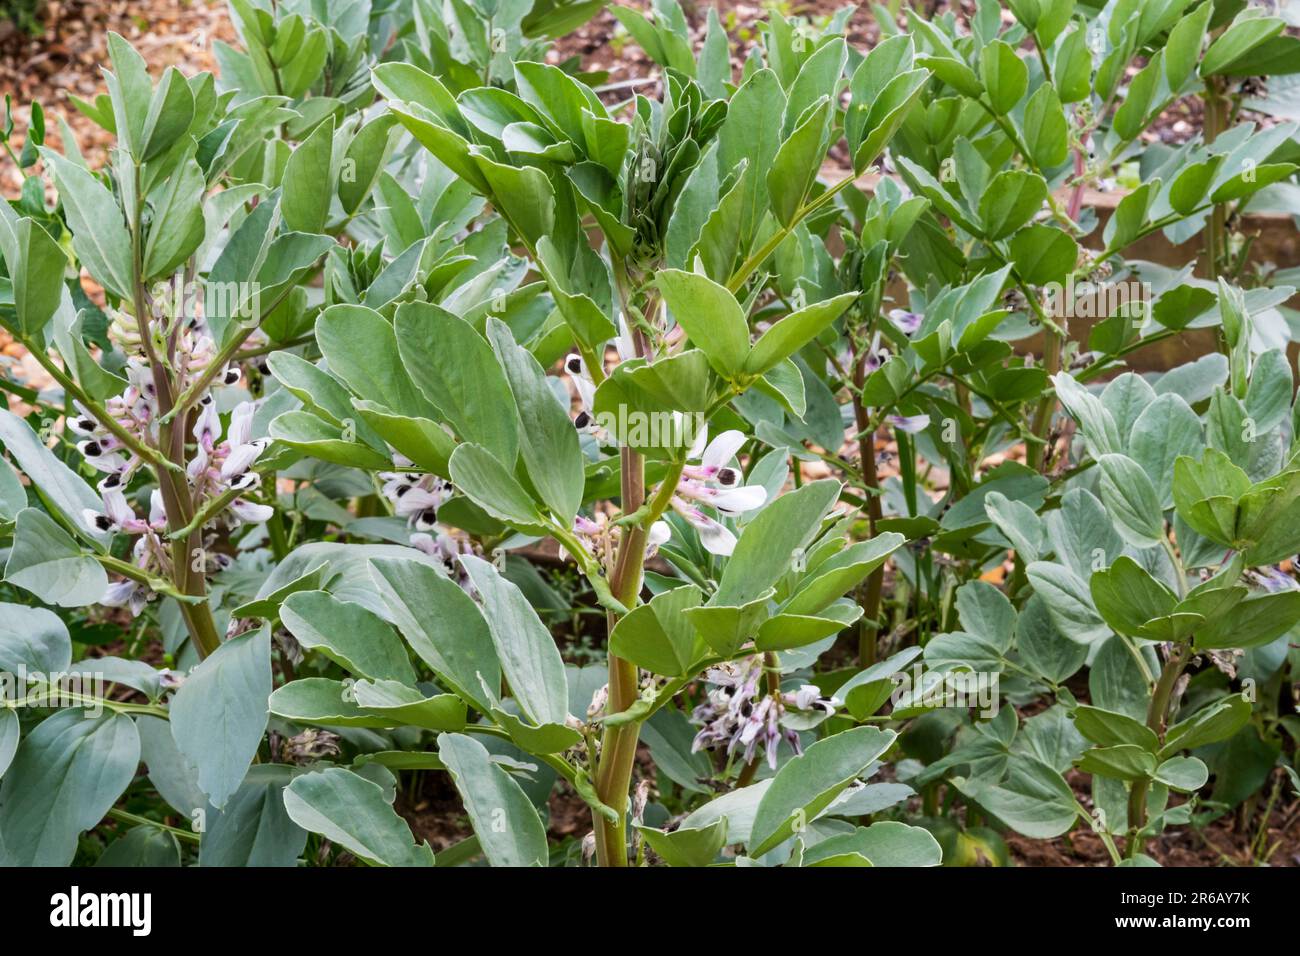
[{"x": 1222, "y": 842}]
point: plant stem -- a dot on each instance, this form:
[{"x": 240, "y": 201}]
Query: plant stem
[
  {"x": 1157, "y": 713},
  {"x": 1215, "y": 122},
  {"x": 618, "y": 745},
  {"x": 172, "y": 483},
  {"x": 869, "y": 628},
  {"x": 126, "y": 817},
  {"x": 618, "y": 748}
]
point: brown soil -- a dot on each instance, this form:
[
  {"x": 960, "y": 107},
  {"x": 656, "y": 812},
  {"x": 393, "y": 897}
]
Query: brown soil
[{"x": 1222, "y": 842}]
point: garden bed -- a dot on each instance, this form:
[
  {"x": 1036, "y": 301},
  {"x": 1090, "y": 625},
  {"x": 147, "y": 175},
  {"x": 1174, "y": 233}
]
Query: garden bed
[{"x": 577, "y": 452}]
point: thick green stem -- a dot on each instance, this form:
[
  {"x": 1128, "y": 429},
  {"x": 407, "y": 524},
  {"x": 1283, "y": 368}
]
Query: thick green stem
[
  {"x": 618, "y": 748},
  {"x": 172, "y": 482},
  {"x": 1157, "y": 713}
]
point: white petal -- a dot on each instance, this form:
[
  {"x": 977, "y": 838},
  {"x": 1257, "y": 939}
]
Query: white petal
[
  {"x": 716, "y": 539},
  {"x": 251, "y": 512},
  {"x": 157, "y": 510},
  {"x": 660, "y": 533},
  {"x": 625, "y": 344},
  {"x": 241, "y": 423},
  {"x": 697, "y": 446},
  {"x": 586, "y": 391},
  {"x": 118, "y": 593},
  {"x": 116, "y": 507},
  {"x": 207, "y": 425},
  {"x": 240, "y": 459},
  {"x": 745, "y": 498},
  {"x": 722, "y": 449}
]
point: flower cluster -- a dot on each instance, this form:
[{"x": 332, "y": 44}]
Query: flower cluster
[
  {"x": 414, "y": 496},
  {"x": 219, "y": 467},
  {"x": 735, "y": 714},
  {"x": 715, "y": 483},
  {"x": 417, "y": 498}
]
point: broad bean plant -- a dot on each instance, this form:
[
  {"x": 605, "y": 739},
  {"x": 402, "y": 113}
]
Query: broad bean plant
[{"x": 749, "y": 456}]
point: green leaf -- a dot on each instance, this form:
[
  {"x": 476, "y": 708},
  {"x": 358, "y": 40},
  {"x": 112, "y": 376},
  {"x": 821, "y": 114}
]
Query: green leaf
[
  {"x": 1252, "y": 180},
  {"x": 443, "y": 625},
  {"x": 67, "y": 774},
  {"x": 841, "y": 572},
  {"x": 1237, "y": 41},
  {"x": 253, "y": 829},
  {"x": 1268, "y": 519},
  {"x": 1068, "y": 602},
  {"x": 885, "y": 843},
  {"x": 795, "y": 166},
  {"x": 1254, "y": 622},
  {"x": 349, "y": 810},
  {"x": 1183, "y": 48},
  {"x": 1033, "y": 800},
  {"x": 522, "y": 194},
  {"x": 36, "y": 265},
  {"x": 308, "y": 183},
  {"x": 530, "y": 661},
  {"x": 1210, "y": 724},
  {"x": 1165, "y": 430},
  {"x": 1043, "y": 254},
  {"x": 402, "y": 706},
  {"x": 423, "y": 441},
  {"x": 589, "y": 324},
  {"x": 219, "y": 714},
  {"x": 1206, "y": 494},
  {"x": 178, "y": 227},
  {"x": 488, "y": 483},
  {"x": 314, "y": 436},
  {"x": 507, "y": 826},
  {"x": 1110, "y": 729},
  {"x": 751, "y": 134},
  {"x": 763, "y": 553},
  {"x": 1045, "y": 130},
  {"x": 551, "y": 452},
  {"x": 1120, "y": 762},
  {"x": 457, "y": 371},
  {"x": 725, "y": 627},
  {"x": 696, "y": 846},
  {"x": 807, "y": 784},
  {"x": 795, "y": 331},
  {"x": 788, "y": 631},
  {"x": 1019, "y": 524},
  {"x": 358, "y": 640},
  {"x": 142, "y": 846},
  {"x": 58, "y": 483},
  {"x": 1012, "y": 198},
  {"x": 1005, "y": 75},
  {"x": 33, "y": 639},
  {"x": 1047, "y": 651},
  {"x": 46, "y": 561},
  {"x": 1129, "y": 495},
  {"x": 710, "y": 315},
  {"x": 361, "y": 348},
  {"x": 9, "y": 733},
  {"x": 657, "y": 636},
  {"x": 1184, "y": 774},
  {"x": 322, "y": 702},
  {"x": 1129, "y": 599}
]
